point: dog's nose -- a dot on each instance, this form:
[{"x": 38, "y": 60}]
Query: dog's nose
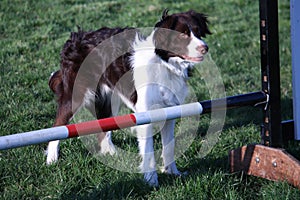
[{"x": 203, "y": 49}]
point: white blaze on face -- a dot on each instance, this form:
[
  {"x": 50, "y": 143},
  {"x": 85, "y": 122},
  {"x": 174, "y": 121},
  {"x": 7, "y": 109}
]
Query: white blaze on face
[{"x": 196, "y": 49}]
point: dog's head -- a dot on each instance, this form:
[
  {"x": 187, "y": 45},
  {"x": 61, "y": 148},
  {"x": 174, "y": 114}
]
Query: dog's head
[{"x": 180, "y": 35}]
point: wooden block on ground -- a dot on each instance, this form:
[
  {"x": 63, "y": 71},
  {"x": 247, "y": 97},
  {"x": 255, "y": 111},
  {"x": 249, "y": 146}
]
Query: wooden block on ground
[{"x": 266, "y": 162}]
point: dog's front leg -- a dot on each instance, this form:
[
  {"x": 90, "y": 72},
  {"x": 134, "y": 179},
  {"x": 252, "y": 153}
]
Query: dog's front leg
[
  {"x": 64, "y": 114},
  {"x": 168, "y": 143},
  {"x": 148, "y": 165}
]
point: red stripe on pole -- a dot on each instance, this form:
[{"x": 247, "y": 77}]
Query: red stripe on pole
[{"x": 101, "y": 125}]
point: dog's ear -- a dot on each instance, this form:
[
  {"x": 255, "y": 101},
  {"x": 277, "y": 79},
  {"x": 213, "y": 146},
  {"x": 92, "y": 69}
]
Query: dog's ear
[
  {"x": 164, "y": 14},
  {"x": 163, "y": 18},
  {"x": 202, "y": 22}
]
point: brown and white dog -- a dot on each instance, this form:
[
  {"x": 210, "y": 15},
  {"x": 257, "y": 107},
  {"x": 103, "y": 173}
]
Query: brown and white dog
[{"x": 157, "y": 69}]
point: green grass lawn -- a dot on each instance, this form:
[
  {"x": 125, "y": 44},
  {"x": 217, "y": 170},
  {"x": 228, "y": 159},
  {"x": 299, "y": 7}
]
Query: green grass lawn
[{"x": 31, "y": 36}]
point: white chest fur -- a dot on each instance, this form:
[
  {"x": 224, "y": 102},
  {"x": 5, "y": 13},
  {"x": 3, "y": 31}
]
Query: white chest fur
[{"x": 158, "y": 83}]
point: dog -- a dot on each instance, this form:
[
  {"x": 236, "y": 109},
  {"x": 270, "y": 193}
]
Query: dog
[{"x": 157, "y": 68}]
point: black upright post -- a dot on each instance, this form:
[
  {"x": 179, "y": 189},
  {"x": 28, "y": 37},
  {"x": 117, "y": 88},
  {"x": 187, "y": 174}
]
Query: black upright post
[{"x": 271, "y": 128}]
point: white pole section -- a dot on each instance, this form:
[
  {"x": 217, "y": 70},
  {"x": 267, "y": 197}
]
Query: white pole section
[{"x": 95, "y": 126}]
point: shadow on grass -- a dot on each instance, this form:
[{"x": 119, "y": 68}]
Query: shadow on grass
[{"x": 133, "y": 186}]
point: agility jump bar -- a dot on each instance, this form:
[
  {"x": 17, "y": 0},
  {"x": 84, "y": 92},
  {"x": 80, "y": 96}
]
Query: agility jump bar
[{"x": 129, "y": 120}]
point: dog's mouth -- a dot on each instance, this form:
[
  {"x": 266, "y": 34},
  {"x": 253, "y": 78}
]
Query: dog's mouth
[{"x": 193, "y": 59}]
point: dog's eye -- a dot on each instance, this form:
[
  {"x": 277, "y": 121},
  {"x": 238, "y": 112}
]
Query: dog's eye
[
  {"x": 199, "y": 35},
  {"x": 183, "y": 35}
]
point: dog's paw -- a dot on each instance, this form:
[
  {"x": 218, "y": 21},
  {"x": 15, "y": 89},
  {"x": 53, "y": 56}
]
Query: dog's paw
[
  {"x": 105, "y": 144},
  {"x": 107, "y": 147},
  {"x": 51, "y": 159},
  {"x": 172, "y": 170},
  {"x": 52, "y": 152},
  {"x": 178, "y": 174},
  {"x": 151, "y": 178}
]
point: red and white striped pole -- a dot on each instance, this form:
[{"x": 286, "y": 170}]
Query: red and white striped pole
[
  {"x": 96, "y": 126},
  {"x": 118, "y": 122}
]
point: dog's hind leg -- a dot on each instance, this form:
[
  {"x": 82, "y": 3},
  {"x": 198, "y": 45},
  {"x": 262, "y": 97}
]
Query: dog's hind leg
[{"x": 105, "y": 108}]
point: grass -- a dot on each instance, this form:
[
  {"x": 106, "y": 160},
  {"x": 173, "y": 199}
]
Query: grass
[{"x": 31, "y": 36}]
